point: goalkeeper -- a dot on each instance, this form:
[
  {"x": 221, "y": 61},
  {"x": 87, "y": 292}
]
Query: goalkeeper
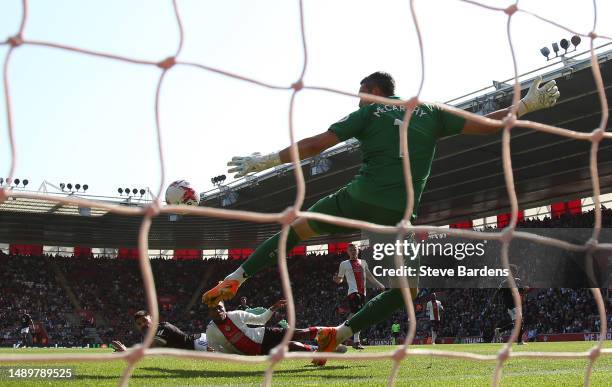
[{"x": 377, "y": 193}]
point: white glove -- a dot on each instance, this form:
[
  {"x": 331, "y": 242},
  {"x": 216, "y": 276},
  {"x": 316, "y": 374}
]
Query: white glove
[
  {"x": 539, "y": 97},
  {"x": 253, "y": 163}
]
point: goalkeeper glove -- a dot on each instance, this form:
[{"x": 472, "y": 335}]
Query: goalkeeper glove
[
  {"x": 539, "y": 97},
  {"x": 253, "y": 163}
]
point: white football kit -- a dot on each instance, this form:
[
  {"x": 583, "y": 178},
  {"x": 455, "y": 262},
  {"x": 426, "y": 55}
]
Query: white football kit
[
  {"x": 201, "y": 343},
  {"x": 433, "y": 310},
  {"x": 242, "y": 337},
  {"x": 355, "y": 273}
]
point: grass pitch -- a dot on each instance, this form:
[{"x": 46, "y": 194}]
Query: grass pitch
[{"x": 415, "y": 371}]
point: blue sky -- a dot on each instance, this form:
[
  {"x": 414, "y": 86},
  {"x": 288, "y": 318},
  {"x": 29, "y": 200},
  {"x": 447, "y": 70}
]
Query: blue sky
[{"x": 91, "y": 120}]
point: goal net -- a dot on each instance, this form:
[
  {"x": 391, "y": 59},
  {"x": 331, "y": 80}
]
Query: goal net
[{"x": 19, "y": 41}]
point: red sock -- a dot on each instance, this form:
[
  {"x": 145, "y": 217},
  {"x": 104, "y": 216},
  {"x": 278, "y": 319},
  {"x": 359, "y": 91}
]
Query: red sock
[{"x": 313, "y": 332}]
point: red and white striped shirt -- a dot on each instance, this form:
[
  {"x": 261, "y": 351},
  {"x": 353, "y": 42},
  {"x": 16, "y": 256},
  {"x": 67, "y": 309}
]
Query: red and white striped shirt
[
  {"x": 355, "y": 272},
  {"x": 434, "y": 309}
]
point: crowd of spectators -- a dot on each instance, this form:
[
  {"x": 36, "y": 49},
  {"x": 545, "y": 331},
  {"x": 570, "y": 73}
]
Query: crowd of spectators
[
  {"x": 546, "y": 311},
  {"x": 103, "y": 293},
  {"x": 29, "y": 284}
]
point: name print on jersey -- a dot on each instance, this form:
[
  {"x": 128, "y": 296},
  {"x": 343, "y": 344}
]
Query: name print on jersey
[{"x": 418, "y": 112}]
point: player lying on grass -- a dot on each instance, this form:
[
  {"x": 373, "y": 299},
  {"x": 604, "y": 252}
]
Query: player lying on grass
[
  {"x": 227, "y": 333},
  {"x": 232, "y": 332},
  {"x": 167, "y": 335},
  {"x": 377, "y": 194}
]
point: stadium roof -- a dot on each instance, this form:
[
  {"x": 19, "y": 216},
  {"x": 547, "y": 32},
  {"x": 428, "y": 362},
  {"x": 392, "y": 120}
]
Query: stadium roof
[{"x": 467, "y": 180}]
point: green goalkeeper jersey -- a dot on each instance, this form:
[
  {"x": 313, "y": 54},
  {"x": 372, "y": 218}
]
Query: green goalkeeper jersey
[{"x": 380, "y": 180}]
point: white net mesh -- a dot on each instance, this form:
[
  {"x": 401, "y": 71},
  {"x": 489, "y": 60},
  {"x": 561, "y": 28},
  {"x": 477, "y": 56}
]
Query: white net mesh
[{"x": 133, "y": 356}]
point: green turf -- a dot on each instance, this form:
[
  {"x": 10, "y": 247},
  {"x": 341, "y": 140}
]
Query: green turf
[{"x": 165, "y": 371}]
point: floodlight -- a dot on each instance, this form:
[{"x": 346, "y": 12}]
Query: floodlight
[
  {"x": 218, "y": 180},
  {"x": 127, "y": 191},
  {"x": 575, "y": 40},
  {"x": 120, "y": 190},
  {"x": 142, "y": 191},
  {"x": 1, "y": 180},
  {"x": 17, "y": 181},
  {"x": 85, "y": 186},
  {"x": 77, "y": 186},
  {"x": 545, "y": 51},
  {"x": 25, "y": 182},
  {"x": 69, "y": 186},
  {"x": 564, "y": 44},
  {"x": 555, "y": 47},
  {"x": 62, "y": 186},
  {"x": 134, "y": 191}
]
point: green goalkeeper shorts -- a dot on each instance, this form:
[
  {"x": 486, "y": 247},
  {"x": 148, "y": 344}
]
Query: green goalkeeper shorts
[{"x": 342, "y": 204}]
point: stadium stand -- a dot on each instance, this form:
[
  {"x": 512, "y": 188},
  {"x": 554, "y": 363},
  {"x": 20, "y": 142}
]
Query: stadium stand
[{"x": 81, "y": 301}]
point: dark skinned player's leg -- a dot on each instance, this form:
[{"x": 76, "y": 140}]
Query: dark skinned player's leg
[
  {"x": 305, "y": 334},
  {"x": 275, "y": 336},
  {"x": 296, "y": 346}
]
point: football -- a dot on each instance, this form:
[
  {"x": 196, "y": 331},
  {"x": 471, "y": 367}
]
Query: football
[{"x": 181, "y": 192}]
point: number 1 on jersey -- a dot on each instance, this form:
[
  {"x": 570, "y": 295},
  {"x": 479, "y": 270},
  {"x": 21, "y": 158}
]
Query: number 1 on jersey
[{"x": 399, "y": 127}]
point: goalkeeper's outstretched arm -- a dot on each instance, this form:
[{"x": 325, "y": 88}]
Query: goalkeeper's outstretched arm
[
  {"x": 537, "y": 98},
  {"x": 311, "y": 146},
  {"x": 307, "y": 147}
]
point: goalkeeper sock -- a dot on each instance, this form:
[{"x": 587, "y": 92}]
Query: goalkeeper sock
[
  {"x": 343, "y": 332},
  {"x": 356, "y": 337},
  {"x": 313, "y": 332},
  {"x": 238, "y": 275},
  {"x": 267, "y": 253}
]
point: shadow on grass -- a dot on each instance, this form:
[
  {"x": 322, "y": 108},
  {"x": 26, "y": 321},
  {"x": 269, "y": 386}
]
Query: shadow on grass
[
  {"x": 164, "y": 373},
  {"x": 181, "y": 373}
]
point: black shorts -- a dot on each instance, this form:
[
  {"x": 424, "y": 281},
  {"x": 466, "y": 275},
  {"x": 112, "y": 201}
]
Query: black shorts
[
  {"x": 435, "y": 325},
  {"x": 355, "y": 301},
  {"x": 507, "y": 299},
  {"x": 272, "y": 337}
]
